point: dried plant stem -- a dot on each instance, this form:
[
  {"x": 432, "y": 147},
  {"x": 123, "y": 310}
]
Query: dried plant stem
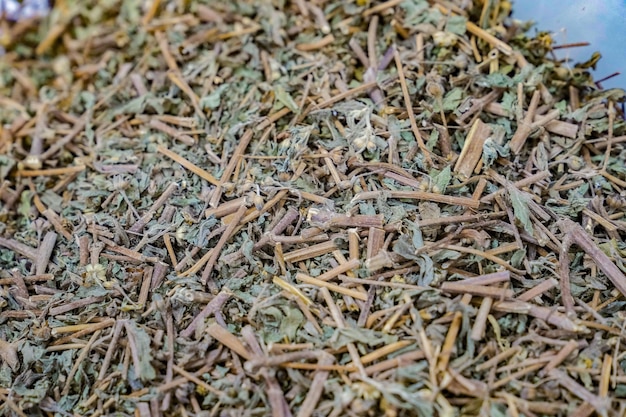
[
  {"x": 485, "y": 255},
  {"x": 478, "y": 290},
  {"x": 51, "y": 172},
  {"x": 190, "y": 166},
  {"x": 576, "y": 234},
  {"x": 214, "y": 305},
  {"x": 480, "y": 323},
  {"x": 601, "y": 405},
  {"x": 341, "y": 269},
  {"x": 44, "y": 252},
  {"x": 197, "y": 381},
  {"x": 312, "y": 46},
  {"x": 310, "y": 252},
  {"x": 339, "y": 321},
  {"x": 409, "y": 109},
  {"x": 229, "y": 340},
  {"x": 418, "y": 195},
  {"x": 333, "y": 287},
  {"x": 451, "y": 335},
  {"x": 538, "y": 289},
  {"x": 79, "y": 360},
  {"x": 8, "y": 401},
  {"x": 215, "y": 251},
  {"x": 548, "y": 315},
  {"x": 381, "y": 7},
  {"x": 565, "y": 351},
  {"x": 167, "y": 193}
]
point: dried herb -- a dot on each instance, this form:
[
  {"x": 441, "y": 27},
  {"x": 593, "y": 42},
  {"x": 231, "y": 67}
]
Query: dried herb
[{"x": 306, "y": 208}]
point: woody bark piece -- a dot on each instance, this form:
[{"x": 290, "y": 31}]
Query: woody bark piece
[
  {"x": 225, "y": 337},
  {"x": 472, "y": 149},
  {"x": 479, "y": 290},
  {"x": 525, "y": 125},
  {"x": 44, "y": 252}
]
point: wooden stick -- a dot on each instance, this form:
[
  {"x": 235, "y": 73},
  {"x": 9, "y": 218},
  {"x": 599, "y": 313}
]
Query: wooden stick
[
  {"x": 190, "y": 166},
  {"x": 44, "y": 252},
  {"x": 418, "y": 195},
  {"x": 51, "y": 171},
  {"x": 409, "y": 108},
  {"x": 333, "y": 287},
  {"x": 479, "y": 290},
  {"x": 215, "y": 252},
  {"x": 229, "y": 340},
  {"x": 480, "y": 323},
  {"x": 310, "y": 252},
  {"x": 472, "y": 148},
  {"x": 197, "y": 381},
  {"x": 319, "y": 44},
  {"x": 546, "y": 314},
  {"x": 525, "y": 125},
  {"x": 381, "y": 7},
  {"x": 341, "y": 269},
  {"x": 565, "y": 351}
]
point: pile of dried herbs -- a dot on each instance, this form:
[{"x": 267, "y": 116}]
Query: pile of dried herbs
[{"x": 304, "y": 208}]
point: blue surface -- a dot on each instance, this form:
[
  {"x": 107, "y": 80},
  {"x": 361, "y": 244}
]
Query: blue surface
[{"x": 600, "y": 22}]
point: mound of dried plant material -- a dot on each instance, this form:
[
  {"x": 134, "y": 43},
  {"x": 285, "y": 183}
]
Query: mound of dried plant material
[{"x": 321, "y": 208}]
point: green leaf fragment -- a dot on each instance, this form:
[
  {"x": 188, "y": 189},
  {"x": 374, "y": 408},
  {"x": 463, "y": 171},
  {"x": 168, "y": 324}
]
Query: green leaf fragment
[
  {"x": 519, "y": 200},
  {"x": 442, "y": 179},
  {"x": 456, "y": 24},
  {"x": 286, "y": 99},
  {"x": 370, "y": 337},
  {"x": 142, "y": 341},
  {"x": 213, "y": 100},
  {"x": 452, "y": 100}
]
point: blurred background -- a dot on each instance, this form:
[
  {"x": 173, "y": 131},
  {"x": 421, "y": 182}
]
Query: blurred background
[{"x": 602, "y": 23}]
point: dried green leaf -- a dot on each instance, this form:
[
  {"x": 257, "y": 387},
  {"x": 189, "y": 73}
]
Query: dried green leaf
[
  {"x": 509, "y": 103},
  {"x": 496, "y": 79},
  {"x": 143, "y": 342},
  {"x": 519, "y": 200},
  {"x": 442, "y": 179},
  {"x": 451, "y": 100},
  {"x": 491, "y": 152},
  {"x": 342, "y": 336},
  {"x": 213, "y": 100},
  {"x": 456, "y": 24},
  {"x": 285, "y": 98},
  {"x": 6, "y": 165}
]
